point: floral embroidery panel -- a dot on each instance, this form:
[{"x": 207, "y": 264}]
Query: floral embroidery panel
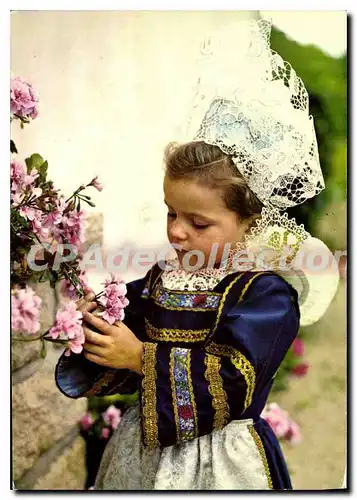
[
  {"x": 196, "y": 301},
  {"x": 182, "y": 394}
]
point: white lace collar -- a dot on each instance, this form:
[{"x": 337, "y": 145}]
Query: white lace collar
[{"x": 179, "y": 279}]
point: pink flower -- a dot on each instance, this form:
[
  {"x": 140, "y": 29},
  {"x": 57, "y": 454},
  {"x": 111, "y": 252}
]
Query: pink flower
[
  {"x": 73, "y": 227},
  {"x": 277, "y": 418},
  {"x": 301, "y": 369},
  {"x": 293, "y": 436},
  {"x": 22, "y": 183},
  {"x": 17, "y": 174},
  {"x": 298, "y": 347},
  {"x": 54, "y": 217},
  {"x": 281, "y": 423},
  {"x": 36, "y": 218},
  {"x": 86, "y": 422},
  {"x": 114, "y": 300},
  {"x": 75, "y": 344},
  {"x": 105, "y": 433},
  {"x": 23, "y": 99},
  {"x": 68, "y": 326},
  {"x": 95, "y": 183},
  {"x": 112, "y": 416},
  {"x": 25, "y": 311}
]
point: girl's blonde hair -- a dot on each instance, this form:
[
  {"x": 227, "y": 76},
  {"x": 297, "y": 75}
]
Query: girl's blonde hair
[{"x": 209, "y": 166}]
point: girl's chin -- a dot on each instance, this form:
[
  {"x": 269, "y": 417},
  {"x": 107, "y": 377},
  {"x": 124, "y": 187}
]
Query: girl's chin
[{"x": 191, "y": 263}]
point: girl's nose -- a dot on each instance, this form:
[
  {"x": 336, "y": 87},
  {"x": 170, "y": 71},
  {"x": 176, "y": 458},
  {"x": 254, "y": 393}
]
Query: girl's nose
[{"x": 177, "y": 231}]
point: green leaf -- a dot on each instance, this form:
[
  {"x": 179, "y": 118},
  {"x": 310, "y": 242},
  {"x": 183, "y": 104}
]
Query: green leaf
[
  {"x": 43, "y": 172},
  {"x": 13, "y": 148},
  {"x": 34, "y": 161}
]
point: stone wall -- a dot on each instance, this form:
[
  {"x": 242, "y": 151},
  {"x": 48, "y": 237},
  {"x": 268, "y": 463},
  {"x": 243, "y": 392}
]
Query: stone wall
[{"x": 48, "y": 452}]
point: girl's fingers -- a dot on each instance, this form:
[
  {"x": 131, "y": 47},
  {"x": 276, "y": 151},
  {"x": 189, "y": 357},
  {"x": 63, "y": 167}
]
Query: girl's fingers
[
  {"x": 98, "y": 323},
  {"x": 92, "y": 348},
  {"x": 89, "y": 296},
  {"x": 87, "y": 306},
  {"x": 94, "y": 338},
  {"x": 94, "y": 358}
]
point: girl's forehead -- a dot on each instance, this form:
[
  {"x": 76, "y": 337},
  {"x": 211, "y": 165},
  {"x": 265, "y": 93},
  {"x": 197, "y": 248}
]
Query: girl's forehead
[{"x": 189, "y": 196}]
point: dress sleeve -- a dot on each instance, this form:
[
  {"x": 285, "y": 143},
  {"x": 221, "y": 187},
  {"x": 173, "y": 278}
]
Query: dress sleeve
[
  {"x": 77, "y": 377},
  {"x": 189, "y": 392}
]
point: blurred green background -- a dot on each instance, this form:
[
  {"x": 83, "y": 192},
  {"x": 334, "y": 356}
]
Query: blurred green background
[{"x": 325, "y": 79}]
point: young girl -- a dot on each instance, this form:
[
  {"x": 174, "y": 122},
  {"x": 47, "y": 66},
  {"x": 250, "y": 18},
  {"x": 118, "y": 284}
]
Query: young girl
[{"x": 202, "y": 346}]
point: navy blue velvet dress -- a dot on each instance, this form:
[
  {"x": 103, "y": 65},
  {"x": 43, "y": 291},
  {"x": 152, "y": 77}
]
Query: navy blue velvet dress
[{"x": 209, "y": 360}]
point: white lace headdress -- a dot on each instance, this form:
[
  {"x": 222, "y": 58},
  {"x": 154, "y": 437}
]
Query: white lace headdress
[{"x": 252, "y": 105}]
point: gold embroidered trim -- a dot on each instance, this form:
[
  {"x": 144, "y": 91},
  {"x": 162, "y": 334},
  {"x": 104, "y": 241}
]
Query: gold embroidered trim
[
  {"x": 105, "y": 380},
  {"x": 241, "y": 363},
  {"x": 172, "y": 335},
  {"x": 148, "y": 282},
  {"x": 155, "y": 282},
  {"x": 192, "y": 394},
  {"x": 223, "y": 299},
  {"x": 173, "y": 391},
  {"x": 215, "y": 388},
  {"x": 148, "y": 385},
  {"x": 245, "y": 289},
  {"x": 262, "y": 453}
]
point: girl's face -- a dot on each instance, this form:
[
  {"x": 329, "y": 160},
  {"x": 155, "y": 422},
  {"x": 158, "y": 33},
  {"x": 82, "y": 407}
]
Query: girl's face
[{"x": 199, "y": 220}]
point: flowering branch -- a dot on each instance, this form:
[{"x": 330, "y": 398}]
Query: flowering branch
[{"x": 40, "y": 214}]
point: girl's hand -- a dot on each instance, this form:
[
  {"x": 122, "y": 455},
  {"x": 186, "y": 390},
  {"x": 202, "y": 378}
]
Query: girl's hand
[
  {"x": 115, "y": 347},
  {"x": 86, "y": 303}
]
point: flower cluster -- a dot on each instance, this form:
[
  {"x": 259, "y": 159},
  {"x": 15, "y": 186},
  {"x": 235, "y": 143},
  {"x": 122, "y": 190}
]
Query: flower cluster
[
  {"x": 40, "y": 215},
  {"x": 23, "y": 99},
  {"x": 300, "y": 368},
  {"x": 293, "y": 365},
  {"x": 68, "y": 328},
  {"x": 101, "y": 425},
  {"x": 113, "y": 300},
  {"x": 283, "y": 426},
  {"x": 25, "y": 311}
]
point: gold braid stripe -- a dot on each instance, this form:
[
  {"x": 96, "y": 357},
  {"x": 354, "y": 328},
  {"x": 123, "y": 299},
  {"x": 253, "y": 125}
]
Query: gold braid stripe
[
  {"x": 237, "y": 358},
  {"x": 223, "y": 299},
  {"x": 173, "y": 391},
  {"x": 171, "y": 335},
  {"x": 108, "y": 377},
  {"x": 245, "y": 289},
  {"x": 148, "y": 385},
  {"x": 262, "y": 453},
  {"x": 215, "y": 388},
  {"x": 192, "y": 394},
  {"x": 241, "y": 363}
]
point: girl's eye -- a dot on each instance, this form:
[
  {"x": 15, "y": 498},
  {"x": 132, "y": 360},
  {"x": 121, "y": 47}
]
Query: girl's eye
[
  {"x": 200, "y": 226},
  {"x": 171, "y": 215}
]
